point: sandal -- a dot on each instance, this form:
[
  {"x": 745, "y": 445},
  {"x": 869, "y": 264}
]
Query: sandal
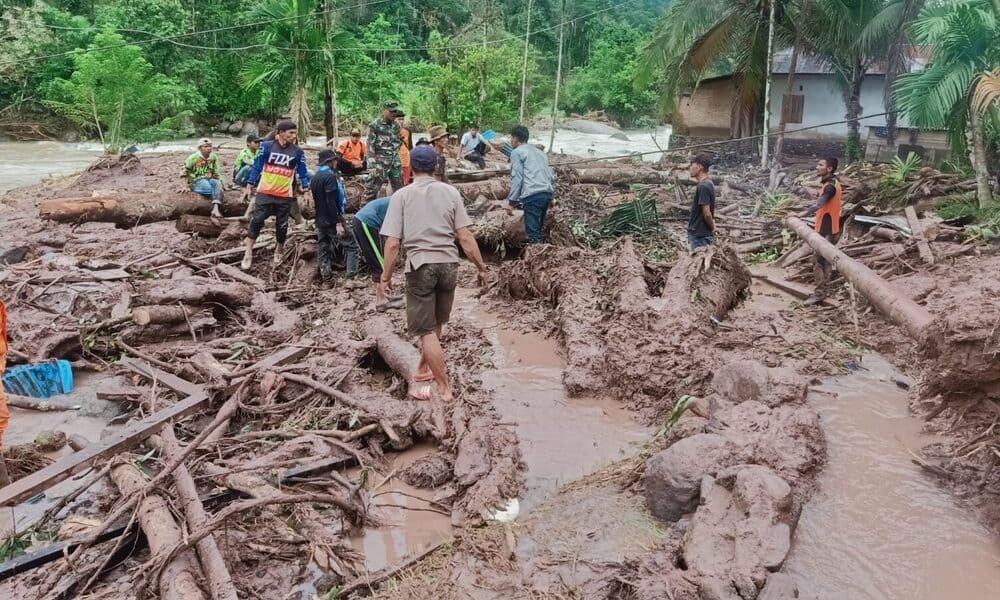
[
  {"x": 424, "y": 377},
  {"x": 420, "y": 392}
]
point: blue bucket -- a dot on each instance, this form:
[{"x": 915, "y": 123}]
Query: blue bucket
[{"x": 40, "y": 380}]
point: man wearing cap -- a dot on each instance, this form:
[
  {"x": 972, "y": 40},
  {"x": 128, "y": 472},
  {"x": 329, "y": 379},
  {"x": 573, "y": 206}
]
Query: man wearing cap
[
  {"x": 530, "y": 184},
  {"x": 438, "y": 138},
  {"x": 244, "y": 160},
  {"x": 204, "y": 174},
  {"x": 384, "y": 141},
  {"x": 405, "y": 147},
  {"x": 352, "y": 152},
  {"x": 278, "y": 170},
  {"x": 426, "y": 218},
  {"x": 701, "y": 223},
  {"x": 328, "y": 195}
]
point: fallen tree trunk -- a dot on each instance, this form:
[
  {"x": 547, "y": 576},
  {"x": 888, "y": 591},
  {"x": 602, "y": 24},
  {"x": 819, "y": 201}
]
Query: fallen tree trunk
[
  {"x": 220, "y": 581},
  {"x": 129, "y": 211},
  {"x": 178, "y": 579},
  {"x": 196, "y": 291},
  {"x": 204, "y": 226},
  {"x": 884, "y": 296}
]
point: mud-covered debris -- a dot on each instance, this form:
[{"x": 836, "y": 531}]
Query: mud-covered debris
[
  {"x": 673, "y": 476},
  {"x": 429, "y": 471},
  {"x": 50, "y": 441}
]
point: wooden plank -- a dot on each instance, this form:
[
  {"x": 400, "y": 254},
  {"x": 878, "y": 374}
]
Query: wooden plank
[
  {"x": 289, "y": 353},
  {"x": 793, "y": 289},
  {"x": 918, "y": 234},
  {"x": 171, "y": 381},
  {"x": 131, "y": 436}
]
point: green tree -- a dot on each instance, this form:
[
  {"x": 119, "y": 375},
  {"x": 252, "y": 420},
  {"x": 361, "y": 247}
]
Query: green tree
[
  {"x": 958, "y": 89},
  {"x": 115, "y": 91},
  {"x": 605, "y": 81}
]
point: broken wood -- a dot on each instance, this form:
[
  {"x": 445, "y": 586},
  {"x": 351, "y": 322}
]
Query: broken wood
[
  {"x": 203, "y": 226},
  {"x": 237, "y": 275},
  {"x": 133, "y": 210},
  {"x": 793, "y": 289},
  {"x": 193, "y": 291},
  {"x": 341, "y": 397},
  {"x": 40, "y": 404},
  {"x": 214, "y": 566},
  {"x": 918, "y": 234},
  {"x": 178, "y": 580},
  {"x": 159, "y": 314},
  {"x": 373, "y": 579},
  {"x": 884, "y": 296}
]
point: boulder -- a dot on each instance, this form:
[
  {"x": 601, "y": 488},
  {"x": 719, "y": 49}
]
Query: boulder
[
  {"x": 223, "y": 126},
  {"x": 592, "y": 127},
  {"x": 235, "y": 128},
  {"x": 673, "y": 476},
  {"x": 620, "y": 136},
  {"x": 13, "y": 254},
  {"x": 249, "y": 128},
  {"x": 745, "y": 380}
]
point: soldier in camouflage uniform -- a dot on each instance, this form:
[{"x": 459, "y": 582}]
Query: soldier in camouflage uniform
[{"x": 384, "y": 140}]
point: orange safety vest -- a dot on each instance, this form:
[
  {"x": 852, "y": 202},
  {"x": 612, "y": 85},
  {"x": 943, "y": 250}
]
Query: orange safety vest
[
  {"x": 404, "y": 148},
  {"x": 832, "y": 208},
  {"x": 352, "y": 150}
]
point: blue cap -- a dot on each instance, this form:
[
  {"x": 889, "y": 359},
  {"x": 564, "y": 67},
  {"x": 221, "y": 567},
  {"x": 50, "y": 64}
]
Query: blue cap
[{"x": 424, "y": 159}]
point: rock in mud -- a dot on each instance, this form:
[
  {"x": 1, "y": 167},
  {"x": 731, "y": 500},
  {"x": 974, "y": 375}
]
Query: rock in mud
[
  {"x": 740, "y": 533},
  {"x": 744, "y": 380},
  {"x": 673, "y": 476},
  {"x": 50, "y": 441},
  {"x": 13, "y": 254},
  {"x": 779, "y": 587},
  {"x": 429, "y": 471}
]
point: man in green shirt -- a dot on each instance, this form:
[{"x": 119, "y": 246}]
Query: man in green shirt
[
  {"x": 244, "y": 159},
  {"x": 204, "y": 174}
]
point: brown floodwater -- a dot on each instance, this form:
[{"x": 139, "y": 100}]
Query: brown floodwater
[
  {"x": 879, "y": 527},
  {"x": 561, "y": 438}
]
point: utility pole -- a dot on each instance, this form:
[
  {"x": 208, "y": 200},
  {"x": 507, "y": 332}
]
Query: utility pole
[
  {"x": 555, "y": 103},
  {"x": 764, "y": 146},
  {"x": 524, "y": 67}
]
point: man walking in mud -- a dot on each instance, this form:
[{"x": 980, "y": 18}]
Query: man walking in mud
[
  {"x": 426, "y": 218},
  {"x": 384, "y": 141},
  {"x": 331, "y": 229},
  {"x": 827, "y": 210},
  {"x": 204, "y": 174},
  {"x": 530, "y": 184},
  {"x": 701, "y": 223},
  {"x": 277, "y": 171}
]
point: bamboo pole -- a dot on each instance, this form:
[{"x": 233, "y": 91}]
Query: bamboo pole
[
  {"x": 891, "y": 301},
  {"x": 524, "y": 67},
  {"x": 764, "y": 147}
]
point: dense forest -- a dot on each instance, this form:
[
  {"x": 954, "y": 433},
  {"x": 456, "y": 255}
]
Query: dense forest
[{"x": 135, "y": 70}]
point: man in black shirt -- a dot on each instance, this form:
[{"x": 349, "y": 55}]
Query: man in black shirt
[
  {"x": 701, "y": 224},
  {"x": 328, "y": 195}
]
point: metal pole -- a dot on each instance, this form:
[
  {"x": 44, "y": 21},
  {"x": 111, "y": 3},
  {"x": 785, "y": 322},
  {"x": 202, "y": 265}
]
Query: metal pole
[
  {"x": 524, "y": 67},
  {"x": 555, "y": 103},
  {"x": 764, "y": 147}
]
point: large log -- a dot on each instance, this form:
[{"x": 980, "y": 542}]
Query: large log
[
  {"x": 178, "y": 579},
  {"x": 196, "y": 291},
  {"x": 129, "y": 211},
  {"x": 203, "y": 226},
  {"x": 159, "y": 314},
  {"x": 883, "y": 295}
]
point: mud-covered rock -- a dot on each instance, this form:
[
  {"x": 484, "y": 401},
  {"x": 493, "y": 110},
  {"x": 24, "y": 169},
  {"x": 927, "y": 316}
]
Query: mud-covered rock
[
  {"x": 743, "y": 380},
  {"x": 13, "y": 254},
  {"x": 429, "y": 471},
  {"x": 673, "y": 476},
  {"x": 740, "y": 532},
  {"x": 779, "y": 587},
  {"x": 50, "y": 441}
]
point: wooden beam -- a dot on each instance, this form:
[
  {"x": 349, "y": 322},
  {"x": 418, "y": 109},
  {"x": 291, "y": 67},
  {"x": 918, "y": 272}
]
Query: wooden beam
[
  {"x": 918, "y": 234},
  {"x": 131, "y": 436},
  {"x": 793, "y": 289},
  {"x": 171, "y": 381}
]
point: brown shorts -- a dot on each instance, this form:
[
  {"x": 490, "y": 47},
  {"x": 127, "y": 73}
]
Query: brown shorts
[{"x": 430, "y": 292}]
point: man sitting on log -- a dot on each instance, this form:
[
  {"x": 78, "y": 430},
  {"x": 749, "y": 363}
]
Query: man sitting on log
[
  {"x": 244, "y": 160},
  {"x": 204, "y": 174},
  {"x": 701, "y": 222},
  {"x": 426, "y": 218},
  {"x": 328, "y": 196},
  {"x": 827, "y": 211},
  {"x": 352, "y": 152},
  {"x": 473, "y": 147},
  {"x": 530, "y": 184},
  {"x": 279, "y": 172}
]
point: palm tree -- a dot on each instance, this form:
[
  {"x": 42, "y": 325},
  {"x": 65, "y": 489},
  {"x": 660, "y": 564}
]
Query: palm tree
[
  {"x": 300, "y": 55},
  {"x": 696, "y": 36},
  {"x": 962, "y": 81}
]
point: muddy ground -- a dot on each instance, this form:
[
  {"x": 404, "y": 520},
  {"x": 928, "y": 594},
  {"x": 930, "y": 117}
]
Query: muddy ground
[{"x": 705, "y": 506}]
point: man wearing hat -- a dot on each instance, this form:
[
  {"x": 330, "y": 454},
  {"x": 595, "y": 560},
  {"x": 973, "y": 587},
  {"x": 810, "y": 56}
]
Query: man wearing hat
[
  {"x": 437, "y": 137},
  {"x": 384, "y": 141},
  {"x": 426, "y": 218},
  {"x": 352, "y": 152},
  {"x": 204, "y": 174},
  {"x": 279, "y": 172},
  {"x": 331, "y": 229}
]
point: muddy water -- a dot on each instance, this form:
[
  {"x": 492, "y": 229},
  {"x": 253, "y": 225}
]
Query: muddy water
[
  {"x": 561, "y": 438},
  {"x": 410, "y": 520},
  {"x": 879, "y": 528}
]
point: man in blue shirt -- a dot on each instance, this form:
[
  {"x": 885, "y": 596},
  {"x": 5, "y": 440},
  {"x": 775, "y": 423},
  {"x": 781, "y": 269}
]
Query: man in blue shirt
[
  {"x": 530, "y": 184},
  {"x": 328, "y": 195},
  {"x": 367, "y": 226}
]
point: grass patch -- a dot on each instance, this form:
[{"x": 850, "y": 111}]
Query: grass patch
[
  {"x": 767, "y": 255},
  {"x": 982, "y": 223}
]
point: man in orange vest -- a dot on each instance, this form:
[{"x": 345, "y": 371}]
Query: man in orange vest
[
  {"x": 827, "y": 211},
  {"x": 352, "y": 152}
]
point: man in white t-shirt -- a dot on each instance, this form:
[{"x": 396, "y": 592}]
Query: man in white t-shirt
[{"x": 473, "y": 147}]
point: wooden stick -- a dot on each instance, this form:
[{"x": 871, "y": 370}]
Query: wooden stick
[
  {"x": 390, "y": 572},
  {"x": 341, "y": 397},
  {"x": 918, "y": 234}
]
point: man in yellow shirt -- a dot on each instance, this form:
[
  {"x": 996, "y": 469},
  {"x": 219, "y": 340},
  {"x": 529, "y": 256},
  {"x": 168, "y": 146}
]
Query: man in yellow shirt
[{"x": 405, "y": 147}]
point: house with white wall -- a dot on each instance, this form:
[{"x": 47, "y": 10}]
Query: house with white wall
[{"x": 817, "y": 99}]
